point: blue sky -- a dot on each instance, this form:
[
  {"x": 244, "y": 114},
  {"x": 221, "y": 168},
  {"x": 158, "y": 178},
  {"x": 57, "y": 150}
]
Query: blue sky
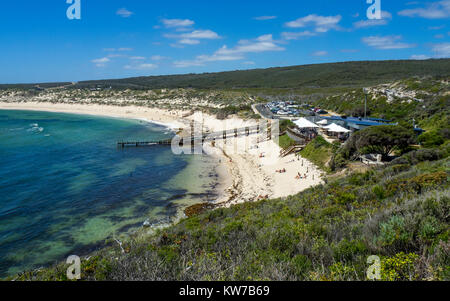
[{"x": 118, "y": 38}]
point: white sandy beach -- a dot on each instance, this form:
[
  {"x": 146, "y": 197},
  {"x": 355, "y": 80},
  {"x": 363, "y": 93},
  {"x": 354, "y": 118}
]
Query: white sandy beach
[
  {"x": 248, "y": 172},
  {"x": 172, "y": 119}
]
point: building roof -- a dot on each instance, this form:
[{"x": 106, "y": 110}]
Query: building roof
[
  {"x": 336, "y": 128},
  {"x": 305, "y": 123},
  {"x": 355, "y": 120}
]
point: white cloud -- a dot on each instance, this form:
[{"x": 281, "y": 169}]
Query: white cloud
[
  {"x": 171, "y": 23},
  {"x": 248, "y": 63},
  {"x": 137, "y": 58},
  {"x": 189, "y": 41},
  {"x": 192, "y": 38},
  {"x": 114, "y": 55},
  {"x": 101, "y": 62},
  {"x": 385, "y": 18},
  {"x": 201, "y": 34},
  {"x": 261, "y": 44},
  {"x": 297, "y": 35},
  {"x": 118, "y": 49},
  {"x": 264, "y": 18},
  {"x": 124, "y": 13},
  {"x": 175, "y": 45},
  {"x": 320, "y": 23},
  {"x": 141, "y": 67},
  {"x": 441, "y": 50},
  {"x": 157, "y": 58},
  {"x": 386, "y": 42},
  {"x": 434, "y": 10},
  {"x": 419, "y": 57},
  {"x": 320, "y": 53}
]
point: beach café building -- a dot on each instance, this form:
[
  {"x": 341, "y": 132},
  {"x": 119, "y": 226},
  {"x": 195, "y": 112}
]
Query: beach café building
[
  {"x": 306, "y": 128},
  {"x": 334, "y": 130},
  {"x": 355, "y": 123}
]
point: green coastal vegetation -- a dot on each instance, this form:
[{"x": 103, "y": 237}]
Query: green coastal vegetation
[
  {"x": 398, "y": 211},
  {"x": 319, "y": 152},
  {"x": 346, "y": 74}
]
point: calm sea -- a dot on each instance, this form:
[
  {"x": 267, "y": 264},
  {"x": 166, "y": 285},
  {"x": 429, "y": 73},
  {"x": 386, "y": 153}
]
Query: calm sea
[{"x": 65, "y": 187}]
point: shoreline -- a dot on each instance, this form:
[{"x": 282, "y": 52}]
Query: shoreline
[
  {"x": 247, "y": 168},
  {"x": 169, "y": 119},
  {"x": 172, "y": 120}
]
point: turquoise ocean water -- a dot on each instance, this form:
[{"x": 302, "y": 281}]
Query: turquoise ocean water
[{"x": 65, "y": 187}]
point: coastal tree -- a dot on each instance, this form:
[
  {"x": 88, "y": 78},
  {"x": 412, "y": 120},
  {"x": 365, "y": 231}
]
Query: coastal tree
[{"x": 380, "y": 140}]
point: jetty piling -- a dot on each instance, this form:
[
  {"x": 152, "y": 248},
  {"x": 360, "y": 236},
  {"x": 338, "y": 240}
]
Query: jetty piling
[{"x": 193, "y": 138}]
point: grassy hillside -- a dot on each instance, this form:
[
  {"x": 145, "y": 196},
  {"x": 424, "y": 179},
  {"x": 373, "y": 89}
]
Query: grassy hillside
[
  {"x": 399, "y": 213},
  {"x": 353, "y": 74},
  {"x": 314, "y": 76},
  {"x": 319, "y": 151},
  {"x": 430, "y": 108}
]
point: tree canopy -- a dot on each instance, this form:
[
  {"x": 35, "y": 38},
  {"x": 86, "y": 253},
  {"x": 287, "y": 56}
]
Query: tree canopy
[{"x": 381, "y": 140}]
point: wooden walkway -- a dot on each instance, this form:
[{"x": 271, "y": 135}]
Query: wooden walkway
[
  {"x": 222, "y": 135},
  {"x": 291, "y": 149}
]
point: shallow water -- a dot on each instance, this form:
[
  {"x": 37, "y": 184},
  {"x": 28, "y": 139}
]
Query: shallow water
[{"x": 65, "y": 187}]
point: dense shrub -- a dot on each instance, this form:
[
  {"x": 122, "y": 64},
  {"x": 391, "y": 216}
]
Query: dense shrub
[
  {"x": 399, "y": 267},
  {"x": 420, "y": 155},
  {"x": 324, "y": 233},
  {"x": 431, "y": 139},
  {"x": 380, "y": 140}
]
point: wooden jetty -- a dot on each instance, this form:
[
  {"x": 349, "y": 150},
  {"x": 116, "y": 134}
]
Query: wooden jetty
[{"x": 195, "y": 138}]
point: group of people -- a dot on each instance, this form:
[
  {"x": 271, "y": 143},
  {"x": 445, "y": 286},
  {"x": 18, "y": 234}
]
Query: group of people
[
  {"x": 281, "y": 170},
  {"x": 299, "y": 176}
]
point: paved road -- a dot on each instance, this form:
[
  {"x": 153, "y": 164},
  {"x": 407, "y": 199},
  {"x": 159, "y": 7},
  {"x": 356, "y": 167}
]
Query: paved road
[{"x": 263, "y": 111}]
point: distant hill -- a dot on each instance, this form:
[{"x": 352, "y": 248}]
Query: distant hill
[
  {"x": 307, "y": 76},
  {"x": 34, "y": 85},
  {"x": 353, "y": 74}
]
